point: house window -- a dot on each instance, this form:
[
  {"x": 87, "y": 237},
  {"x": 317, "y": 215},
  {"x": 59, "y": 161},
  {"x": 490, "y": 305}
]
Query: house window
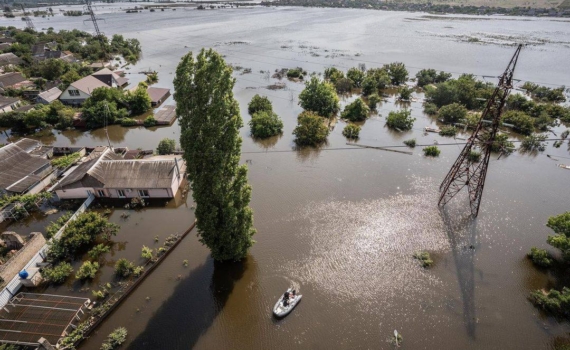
[
  {"x": 143, "y": 193},
  {"x": 73, "y": 92},
  {"x": 101, "y": 193},
  {"x": 121, "y": 193}
]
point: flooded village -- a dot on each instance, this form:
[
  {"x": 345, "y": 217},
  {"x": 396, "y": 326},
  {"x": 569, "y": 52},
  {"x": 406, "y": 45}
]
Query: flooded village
[{"x": 101, "y": 247}]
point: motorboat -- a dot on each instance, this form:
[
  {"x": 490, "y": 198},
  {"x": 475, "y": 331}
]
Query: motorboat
[
  {"x": 431, "y": 129},
  {"x": 280, "y": 309}
]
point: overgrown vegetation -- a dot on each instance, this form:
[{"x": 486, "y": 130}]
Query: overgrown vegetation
[
  {"x": 166, "y": 146},
  {"x": 265, "y": 124},
  {"x": 65, "y": 161},
  {"x": 115, "y": 339},
  {"x": 124, "y": 268},
  {"x": 259, "y": 103},
  {"x": 448, "y": 130},
  {"x": 540, "y": 257},
  {"x": 87, "y": 270},
  {"x": 57, "y": 274},
  {"x": 533, "y": 143},
  {"x": 98, "y": 250},
  {"x": 356, "y": 111},
  {"x": 410, "y": 143},
  {"x": 55, "y": 226},
  {"x": 430, "y": 76}
]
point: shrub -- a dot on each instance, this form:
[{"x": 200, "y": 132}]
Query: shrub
[
  {"x": 554, "y": 301},
  {"x": 431, "y": 151},
  {"x": 57, "y": 274},
  {"x": 319, "y": 97},
  {"x": 430, "y": 76},
  {"x": 128, "y": 122},
  {"x": 448, "y": 131},
  {"x": 259, "y": 103},
  {"x": 560, "y": 224},
  {"x": 138, "y": 270},
  {"x": 65, "y": 161},
  {"x": 533, "y": 143},
  {"x": 265, "y": 124},
  {"x": 87, "y": 270},
  {"x": 53, "y": 227},
  {"x": 166, "y": 146},
  {"x": 124, "y": 268},
  {"x": 344, "y": 85},
  {"x": 149, "y": 121},
  {"x": 410, "y": 143},
  {"x": 333, "y": 74},
  {"x": 356, "y": 111},
  {"x": 430, "y": 109},
  {"x": 373, "y": 101},
  {"x": 540, "y": 257},
  {"x": 351, "y": 131},
  {"x": 115, "y": 339},
  {"x": 424, "y": 259},
  {"x": 146, "y": 252},
  {"x": 400, "y": 120},
  {"x": 374, "y": 80},
  {"x": 296, "y": 73},
  {"x": 397, "y": 72},
  {"x": 98, "y": 250},
  {"x": 310, "y": 129},
  {"x": 520, "y": 120},
  {"x": 100, "y": 294},
  {"x": 474, "y": 156},
  {"x": 452, "y": 113},
  {"x": 405, "y": 93}
]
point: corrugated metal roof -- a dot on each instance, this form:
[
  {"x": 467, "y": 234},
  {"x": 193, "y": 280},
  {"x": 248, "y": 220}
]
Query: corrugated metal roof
[
  {"x": 6, "y": 101},
  {"x": 16, "y": 164},
  {"x": 136, "y": 173},
  {"x": 50, "y": 95},
  {"x": 10, "y": 79},
  {"x": 156, "y": 94},
  {"x": 88, "y": 84},
  {"x": 28, "y": 145}
]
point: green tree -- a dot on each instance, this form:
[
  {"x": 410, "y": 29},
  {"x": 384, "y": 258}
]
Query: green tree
[
  {"x": 124, "y": 268},
  {"x": 373, "y": 101},
  {"x": 540, "y": 257},
  {"x": 376, "y": 79},
  {"x": 149, "y": 121},
  {"x": 356, "y": 111},
  {"x": 431, "y": 151},
  {"x": 265, "y": 124},
  {"x": 310, "y": 130},
  {"x": 333, "y": 74},
  {"x": 533, "y": 143},
  {"x": 397, "y": 72},
  {"x": 87, "y": 270},
  {"x": 356, "y": 75},
  {"x": 452, "y": 113},
  {"x": 400, "y": 120},
  {"x": 259, "y": 103},
  {"x": 351, "y": 131},
  {"x": 405, "y": 93},
  {"x": 96, "y": 252},
  {"x": 430, "y": 76},
  {"x": 139, "y": 101},
  {"x": 115, "y": 339},
  {"x": 521, "y": 121},
  {"x": 57, "y": 274},
  {"x": 146, "y": 252},
  {"x": 319, "y": 97},
  {"x": 166, "y": 146},
  {"x": 210, "y": 121}
]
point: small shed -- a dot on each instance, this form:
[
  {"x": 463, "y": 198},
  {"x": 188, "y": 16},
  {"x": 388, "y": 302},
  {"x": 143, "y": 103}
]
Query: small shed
[{"x": 158, "y": 95}]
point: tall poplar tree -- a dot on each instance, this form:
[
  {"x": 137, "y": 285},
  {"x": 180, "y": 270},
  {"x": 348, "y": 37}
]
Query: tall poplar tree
[{"x": 209, "y": 118}]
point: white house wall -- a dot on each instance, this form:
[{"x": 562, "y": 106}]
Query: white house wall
[
  {"x": 66, "y": 97},
  {"x": 73, "y": 193}
]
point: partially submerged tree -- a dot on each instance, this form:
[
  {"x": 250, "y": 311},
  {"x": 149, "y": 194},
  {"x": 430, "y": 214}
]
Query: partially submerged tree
[
  {"x": 356, "y": 111},
  {"x": 166, "y": 146},
  {"x": 351, "y": 131},
  {"x": 265, "y": 124},
  {"x": 319, "y": 97},
  {"x": 397, "y": 72},
  {"x": 210, "y": 121},
  {"x": 401, "y": 120},
  {"x": 311, "y": 130},
  {"x": 259, "y": 103},
  {"x": 452, "y": 113}
]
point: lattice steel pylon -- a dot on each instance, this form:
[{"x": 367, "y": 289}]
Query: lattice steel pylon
[
  {"x": 28, "y": 20},
  {"x": 466, "y": 171}
]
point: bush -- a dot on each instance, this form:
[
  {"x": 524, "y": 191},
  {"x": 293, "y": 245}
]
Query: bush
[
  {"x": 319, "y": 97},
  {"x": 452, "y": 113},
  {"x": 310, "y": 130},
  {"x": 474, "y": 156},
  {"x": 296, "y": 73},
  {"x": 431, "y": 151},
  {"x": 65, "y": 161},
  {"x": 128, "y": 122},
  {"x": 397, "y": 72},
  {"x": 560, "y": 224},
  {"x": 259, "y": 103},
  {"x": 265, "y": 124},
  {"x": 356, "y": 111},
  {"x": 344, "y": 85},
  {"x": 373, "y": 101},
  {"x": 146, "y": 252},
  {"x": 351, "y": 131},
  {"x": 501, "y": 144},
  {"x": 400, "y": 120},
  {"x": 124, "y": 268},
  {"x": 405, "y": 93},
  {"x": 98, "y": 250},
  {"x": 410, "y": 143},
  {"x": 54, "y": 227},
  {"x": 139, "y": 100},
  {"x": 448, "y": 131},
  {"x": 333, "y": 75},
  {"x": 166, "y": 146},
  {"x": 375, "y": 80},
  {"x": 430, "y": 76},
  {"x": 57, "y": 274},
  {"x": 540, "y": 257},
  {"x": 115, "y": 339},
  {"x": 533, "y": 143},
  {"x": 430, "y": 109},
  {"x": 554, "y": 301},
  {"x": 424, "y": 259},
  {"x": 87, "y": 270},
  {"x": 149, "y": 121}
]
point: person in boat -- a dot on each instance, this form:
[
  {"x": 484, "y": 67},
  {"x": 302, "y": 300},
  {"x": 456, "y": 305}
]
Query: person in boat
[
  {"x": 292, "y": 295},
  {"x": 286, "y": 302}
]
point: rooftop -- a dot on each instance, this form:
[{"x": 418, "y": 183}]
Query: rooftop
[
  {"x": 18, "y": 168},
  {"x": 6, "y": 101},
  {"x": 9, "y": 58},
  {"x": 88, "y": 84},
  {"x": 157, "y": 94},
  {"x": 50, "y": 95},
  {"x": 10, "y": 79}
]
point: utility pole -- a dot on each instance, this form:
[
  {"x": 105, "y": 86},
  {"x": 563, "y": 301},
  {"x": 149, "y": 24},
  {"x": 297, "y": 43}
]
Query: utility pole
[
  {"x": 28, "y": 20},
  {"x": 467, "y": 172}
]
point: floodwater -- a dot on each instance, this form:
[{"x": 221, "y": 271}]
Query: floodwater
[{"x": 342, "y": 223}]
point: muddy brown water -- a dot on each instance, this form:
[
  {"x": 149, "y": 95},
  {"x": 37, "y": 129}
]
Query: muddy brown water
[{"x": 342, "y": 224}]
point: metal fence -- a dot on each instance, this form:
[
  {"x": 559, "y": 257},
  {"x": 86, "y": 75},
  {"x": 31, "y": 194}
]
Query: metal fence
[{"x": 15, "y": 284}]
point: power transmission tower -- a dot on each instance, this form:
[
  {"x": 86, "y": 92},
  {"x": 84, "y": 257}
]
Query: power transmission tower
[
  {"x": 94, "y": 19},
  {"x": 28, "y": 20},
  {"x": 466, "y": 171}
]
